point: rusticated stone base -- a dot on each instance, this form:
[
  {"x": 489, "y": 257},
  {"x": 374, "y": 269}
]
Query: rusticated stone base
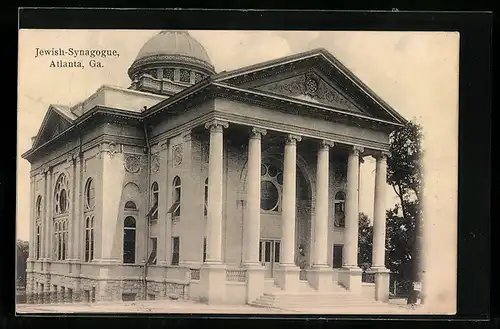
[{"x": 77, "y": 296}]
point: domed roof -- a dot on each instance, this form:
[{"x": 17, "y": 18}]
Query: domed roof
[{"x": 174, "y": 43}]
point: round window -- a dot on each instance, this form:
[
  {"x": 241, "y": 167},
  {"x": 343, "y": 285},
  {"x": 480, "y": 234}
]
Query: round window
[{"x": 269, "y": 195}]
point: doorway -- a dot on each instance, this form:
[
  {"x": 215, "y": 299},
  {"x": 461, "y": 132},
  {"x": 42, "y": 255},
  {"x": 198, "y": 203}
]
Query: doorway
[{"x": 269, "y": 255}]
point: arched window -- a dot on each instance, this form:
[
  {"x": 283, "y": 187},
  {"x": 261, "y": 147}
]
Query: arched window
[
  {"x": 130, "y": 205},
  {"x": 38, "y": 207},
  {"x": 205, "y": 204},
  {"x": 339, "y": 211},
  {"x": 129, "y": 240},
  {"x": 153, "y": 213},
  {"x": 89, "y": 194},
  {"x": 61, "y": 197},
  {"x": 89, "y": 238},
  {"x": 175, "y": 209},
  {"x": 270, "y": 187}
]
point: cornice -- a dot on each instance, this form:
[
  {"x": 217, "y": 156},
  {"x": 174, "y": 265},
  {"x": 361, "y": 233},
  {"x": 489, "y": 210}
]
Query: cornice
[{"x": 301, "y": 131}]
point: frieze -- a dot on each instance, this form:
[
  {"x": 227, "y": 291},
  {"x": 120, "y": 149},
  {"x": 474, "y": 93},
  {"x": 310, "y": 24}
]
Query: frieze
[
  {"x": 177, "y": 152},
  {"x": 132, "y": 163},
  {"x": 155, "y": 163},
  {"x": 111, "y": 148},
  {"x": 161, "y": 58},
  {"x": 312, "y": 87}
]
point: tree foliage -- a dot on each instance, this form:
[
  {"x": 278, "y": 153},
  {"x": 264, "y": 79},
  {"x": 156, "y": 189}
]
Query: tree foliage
[
  {"x": 22, "y": 256},
  {"x": 404, "y": 221},
  {"x": 365, "y": 241}
]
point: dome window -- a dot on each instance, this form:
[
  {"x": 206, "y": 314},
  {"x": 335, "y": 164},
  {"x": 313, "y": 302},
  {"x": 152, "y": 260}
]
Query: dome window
[
  {"x": 197, "y": 77},
  {"x": 185, "y": 76},
  {"x": 168, "y": 74}
]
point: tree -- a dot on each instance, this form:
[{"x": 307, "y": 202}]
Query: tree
[
  {"x": 365, "y": 241},
  {"x": 22, "y": 256},
  {"x": 404, "y": 222}
]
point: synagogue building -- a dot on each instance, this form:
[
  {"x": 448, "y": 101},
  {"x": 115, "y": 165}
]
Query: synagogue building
[{"x": 212, "y": 186}]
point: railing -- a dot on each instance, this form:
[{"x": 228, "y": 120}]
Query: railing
[
  {"x": 195, "y": 274},
  {"x": 367, "y": 277},
  {"x": 236, "y": 275}
]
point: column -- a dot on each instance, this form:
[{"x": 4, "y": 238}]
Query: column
[
  {"x": 31, "y": 242},
  {"x": 213, "y": 271},
  {"x": 378, "y": 255},
  {"x": 165, "y": 188},
  {"x": 251, "y": 224},
  {"x": 289, "y": 272},
  {"x": 350, "y": 276},
  {"x": 321, "y": 275},
  {"x": 48, "y": 215},
  {"x": 77, "y": 227}
]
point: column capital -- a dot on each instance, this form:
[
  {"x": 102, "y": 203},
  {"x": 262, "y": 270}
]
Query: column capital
[
  {"x": 163, "y": 145},
  {"x": 356, "y": 149},
  {"x": 46, "y": 170},
  {"x": 382, "y": 155},
  {"x": 326, "y": 144},
  {"x": 293, "y": 139},
  {"x": 216, "y": 125},
  {"x": 257, "y": 132}
]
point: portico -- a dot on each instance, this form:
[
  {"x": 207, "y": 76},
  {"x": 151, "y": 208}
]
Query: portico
[{"x": 276, "y": 258}]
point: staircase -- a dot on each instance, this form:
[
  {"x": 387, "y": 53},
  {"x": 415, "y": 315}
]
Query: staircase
[{"x": 307, "y": 298}]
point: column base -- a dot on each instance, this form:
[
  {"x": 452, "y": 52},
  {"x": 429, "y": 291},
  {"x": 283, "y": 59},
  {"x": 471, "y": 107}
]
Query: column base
[
  {"x": 350, "y": 278},
  {"x": 320, "y": 277},
  {"x": 287, "y": 277},
  {"x": 213, "y": 282},
  {"x": 255, "y": 281},
  {"x": 382, "y": 280}
]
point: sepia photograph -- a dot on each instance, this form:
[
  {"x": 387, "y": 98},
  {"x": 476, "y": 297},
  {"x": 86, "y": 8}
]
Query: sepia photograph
[{"x": 237, "y": 172}]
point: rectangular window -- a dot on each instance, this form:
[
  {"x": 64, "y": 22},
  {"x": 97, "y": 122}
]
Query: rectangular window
[
  {"x": 267, "y": 251},
  {"x": 276, "y": 251},
  {"x": 87, "y": 296},
  {"x": 151, "y": 296},
  {"x": 337, "y": 255},
  {"x": 260, "y": 251},
  {"x": 175, "y": 250},
  {"x": 152, "y": 255},
  {"x": 204, "y": 249},
  {"x": 128, "y": 297},
  {"x": 93, "y": 294},
  {"x": 70, "y": 294}
]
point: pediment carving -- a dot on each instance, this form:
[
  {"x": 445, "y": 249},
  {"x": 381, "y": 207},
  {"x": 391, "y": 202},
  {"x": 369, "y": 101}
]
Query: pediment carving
[{"x": 310, "y": 87}]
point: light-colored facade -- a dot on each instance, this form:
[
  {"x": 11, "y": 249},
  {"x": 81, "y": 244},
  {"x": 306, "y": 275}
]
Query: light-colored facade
[{"x": 205, "y": 185}]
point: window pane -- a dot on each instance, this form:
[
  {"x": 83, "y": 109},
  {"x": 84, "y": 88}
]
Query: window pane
[
  {"x": 277, "y": 251},
  {"x": 337, "y": 256},
  {"x": 260, "y": 251},
  {"x": 267, "y": 255}
]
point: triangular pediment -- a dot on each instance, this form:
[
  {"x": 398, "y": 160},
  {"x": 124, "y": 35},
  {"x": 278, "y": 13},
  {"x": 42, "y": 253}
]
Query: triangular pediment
[
  {"x": 315, "y": 76},
  {"x": 56, "y": 120},
  {"x": 312, "y": 88}
]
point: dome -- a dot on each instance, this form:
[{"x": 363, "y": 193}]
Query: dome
[
  {"x": 174, "y": 43},
  {"x": 172, "y": 48}
]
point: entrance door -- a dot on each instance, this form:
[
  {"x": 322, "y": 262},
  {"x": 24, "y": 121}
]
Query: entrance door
[{"x": 269, "y": 255}]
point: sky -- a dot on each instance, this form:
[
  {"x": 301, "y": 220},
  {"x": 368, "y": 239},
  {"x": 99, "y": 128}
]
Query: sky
[{"x": 415, "y": 72}]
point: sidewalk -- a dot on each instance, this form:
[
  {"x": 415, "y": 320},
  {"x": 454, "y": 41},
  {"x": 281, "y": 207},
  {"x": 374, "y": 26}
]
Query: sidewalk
[{"x": 186, "y": 306}]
